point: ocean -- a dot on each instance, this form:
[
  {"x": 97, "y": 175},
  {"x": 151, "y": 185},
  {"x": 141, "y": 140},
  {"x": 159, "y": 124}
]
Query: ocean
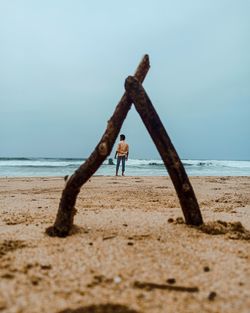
[{"x": 37, "y": 167}]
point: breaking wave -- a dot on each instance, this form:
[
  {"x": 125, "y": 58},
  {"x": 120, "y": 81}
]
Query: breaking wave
[{"x": 22, "y": 166}]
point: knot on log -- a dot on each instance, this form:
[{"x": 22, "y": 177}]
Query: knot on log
[
  {"x": 186, "y": 187},
  {"x": 103, "y": 148},
  {"x": 111, "y": 127}
]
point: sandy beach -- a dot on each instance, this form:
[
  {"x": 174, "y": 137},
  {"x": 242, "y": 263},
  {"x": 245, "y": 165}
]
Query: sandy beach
[{"x": 129, "y": 251}]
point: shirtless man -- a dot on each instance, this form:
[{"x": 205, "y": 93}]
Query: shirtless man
[{"x": 122, "y": 152}]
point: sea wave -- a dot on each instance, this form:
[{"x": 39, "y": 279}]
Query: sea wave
[
  {"x": 57, "y": 166},
  {"x": 40, "y": 162},
  {"x": 218, "y": 163}
]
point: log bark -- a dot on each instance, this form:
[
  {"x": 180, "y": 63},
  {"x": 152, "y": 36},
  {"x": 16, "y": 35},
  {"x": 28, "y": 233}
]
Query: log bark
[
  {"x": 66, "y": 210},
  {"x": 151, "y": 120}
]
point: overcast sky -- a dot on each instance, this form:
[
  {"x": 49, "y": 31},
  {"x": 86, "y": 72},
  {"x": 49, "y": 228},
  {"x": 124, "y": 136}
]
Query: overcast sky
[{"x": 63, "y": 64}]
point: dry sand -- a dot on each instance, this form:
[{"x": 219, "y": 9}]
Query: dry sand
[{"x": 129, "y": 251}]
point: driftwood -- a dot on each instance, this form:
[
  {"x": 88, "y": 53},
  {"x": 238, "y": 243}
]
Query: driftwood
[
  {"x": 166, "y": 149},
  {"x": 66, "y": 210},
  {"x": 151, "y": 286}
]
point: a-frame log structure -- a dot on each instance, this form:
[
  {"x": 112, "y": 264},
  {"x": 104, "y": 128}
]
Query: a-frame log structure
[{"x": 134, "y": 93}]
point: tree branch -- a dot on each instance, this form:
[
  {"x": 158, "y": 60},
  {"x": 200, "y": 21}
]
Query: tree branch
[
  {"x": 166, "y": 149},
  {"x": 66, "y": 211}
]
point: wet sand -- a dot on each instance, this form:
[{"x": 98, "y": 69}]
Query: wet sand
[{"x": 129, "y": 251}]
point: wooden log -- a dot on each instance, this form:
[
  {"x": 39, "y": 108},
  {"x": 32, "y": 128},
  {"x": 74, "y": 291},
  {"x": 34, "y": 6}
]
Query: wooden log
[
  {"x": 150, "y": 286},
  {"x": 166, "y": 149},
  {"x": 66, "y": 211}
]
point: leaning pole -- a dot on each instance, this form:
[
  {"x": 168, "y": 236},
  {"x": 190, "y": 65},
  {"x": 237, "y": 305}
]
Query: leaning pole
[
  {"x": 66, "y": 210},
  {"x": 176, "y": 170}
]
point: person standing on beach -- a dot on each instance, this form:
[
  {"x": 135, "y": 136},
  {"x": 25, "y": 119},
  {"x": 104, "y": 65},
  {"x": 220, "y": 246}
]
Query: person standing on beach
[{"x": 122, "y": 152}]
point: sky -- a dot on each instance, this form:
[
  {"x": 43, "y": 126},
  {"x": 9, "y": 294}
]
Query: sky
[{"x": 63, "y": 64}]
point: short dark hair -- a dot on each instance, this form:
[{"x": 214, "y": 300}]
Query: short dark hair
[{"x": 122, "y": 137}]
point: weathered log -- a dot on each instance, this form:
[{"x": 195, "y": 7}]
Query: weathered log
[
  {"x": 151, "y": 286},
  {"x": 66, "y": 211},
  {"x": 166, "y": 149}
]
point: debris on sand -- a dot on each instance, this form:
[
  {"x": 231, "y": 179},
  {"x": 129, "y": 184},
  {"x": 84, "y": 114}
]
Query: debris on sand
[
  {"x": 150, "y": 286},
  {"x": 10, "y": 245},
  {"x": 102, "y": 308},
  {"x": 178, "y": 220},
  {"x": 233, "y": 230},
  {"x": 109, "y": 237},
  {"x": 212, "y": 295},
  {"x": 171, "y": 281}
]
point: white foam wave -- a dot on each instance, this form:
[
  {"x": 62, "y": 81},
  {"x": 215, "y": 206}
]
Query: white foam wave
[{"x": 46, "y": 167}]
